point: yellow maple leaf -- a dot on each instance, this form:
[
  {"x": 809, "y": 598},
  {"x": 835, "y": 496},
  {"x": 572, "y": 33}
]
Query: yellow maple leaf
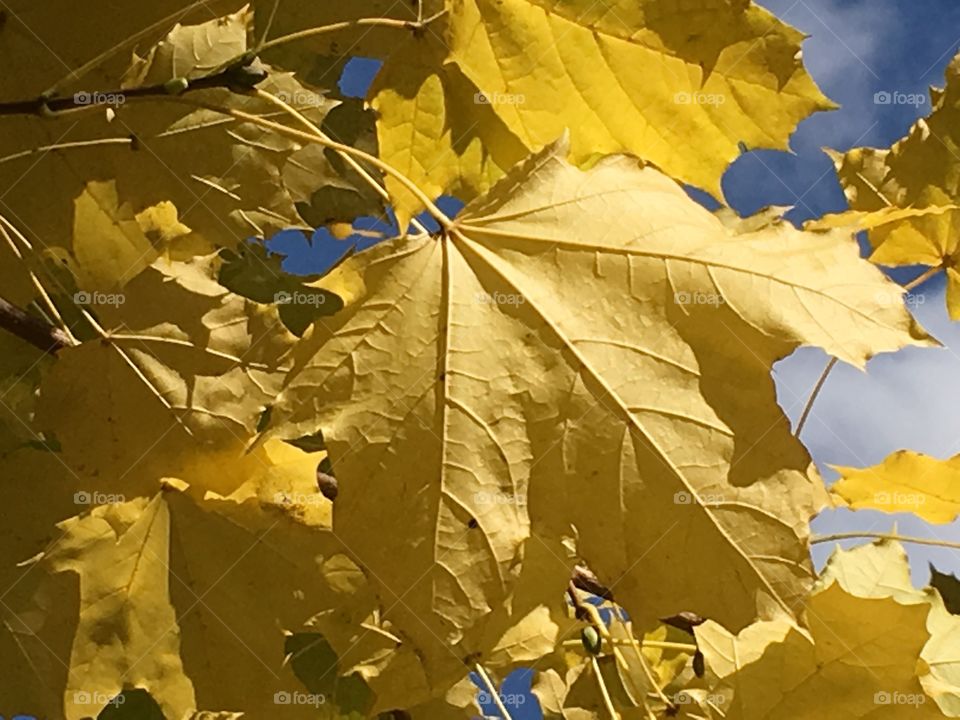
[
  {"x": 858, "y": 657},
  {"x": 558, "y": 354},
  {"x": 182, "y": 366},
  {"x": 526, "y": 71},
  {"x": 111, "y": 244},
  {"x": 916, "y": 177},
  {"x": 905, "y": 481},
  {"x": 223, "y": 178},
  {"x": 193, "y": 628},
  {"x": 434, "y": 128},
  {"x": 881, "y": 569}
]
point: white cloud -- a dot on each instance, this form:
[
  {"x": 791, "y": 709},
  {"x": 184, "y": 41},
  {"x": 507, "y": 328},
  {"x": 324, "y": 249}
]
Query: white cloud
[
  {"x": 842, "y": 36},
  {"x": 848, "y": 54},
  {"x": 909, "y": 399}
]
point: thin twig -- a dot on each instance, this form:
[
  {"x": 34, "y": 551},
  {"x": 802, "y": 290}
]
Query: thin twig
[
  {"x": 238, "y": 77},
  {"x": 591, "y": 611},
  {"x": 360, "y": 22},
  {"x": 445, "y": 222},
  {"x": 921, "y": 279},
  {"x": 67, "y": 146},
  {"x": 685, "y": 647},
  {"x": 882, "y": 536},
  {"x": 51, "y": 307},
  {"x": 33, "y": 330},
  {"x": 357, "y": 167},
  {"x": 493, "y": 691},
  {"x": 832, "y": 363},
  {"x": 647, "y": 670},
  {"x": 808, "y": 407},
  {"x": 614, "y": 715}
]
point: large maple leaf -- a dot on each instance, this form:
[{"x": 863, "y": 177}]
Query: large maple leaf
[{"x": 589, "y": 349}]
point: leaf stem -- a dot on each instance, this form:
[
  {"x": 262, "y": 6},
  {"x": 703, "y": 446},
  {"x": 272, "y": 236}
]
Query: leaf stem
[
  {"x": 445, "y": 222},
  {"x": 684, "y": 647},
  {"x": 856, "y": 535},
  {"x": 346, "y": 24},
  {"x": 594, "y": 614},
  {"x": 178, "y": 15},
  {"x": 808, "y": 407},
  {"x": 647, "y": 671},
  {"x": 832, "y": 363},
  {"x": 921, "y": 279},
  {"x": 5, "y": 226},
  {"x": 66, "y": 146},
  {"x": 237, "y": 77},
  {"x": 145, "y": 338},
  {"x": 349, "y": 159},
  {"x": 614, "y": 715},
  {"x": 493, "y": 691}
]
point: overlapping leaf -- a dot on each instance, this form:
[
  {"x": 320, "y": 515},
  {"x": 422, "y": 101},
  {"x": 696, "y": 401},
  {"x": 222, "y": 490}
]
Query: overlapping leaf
[
  {"x": 857, "y": 658},
  {"x": 219, "y": 178},
  {"x": 905, "y": 481},
  {"x": 611, "y": 375},
  {"x": 20, "y": 373},
  {"x": 949, "y": 588},
  {"x": 435, "y": 126},
  {"x": 567, "y": 687},
  {"x": 881, "y": 570},
  {"x": 128, "y": 603},
  {"x": 917, "y": 176},
  {"x": 642, "y": 78},
  {"x": 183, "y": 366}
]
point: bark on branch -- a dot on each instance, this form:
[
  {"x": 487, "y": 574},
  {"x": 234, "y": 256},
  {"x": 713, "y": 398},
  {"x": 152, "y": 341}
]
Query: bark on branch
[{"x": 31, "y": 329}]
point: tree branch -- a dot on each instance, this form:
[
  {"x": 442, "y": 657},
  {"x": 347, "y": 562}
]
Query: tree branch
[
  {"x": 584, "y": 579},
  {"x": 32, "y": 329},
  {"x": 241, "y": 76}
]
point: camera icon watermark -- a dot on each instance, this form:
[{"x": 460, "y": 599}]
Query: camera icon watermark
[
  {"x": 85, "y": 99},
  {"x": 485, "y": 98},
  {"x": 299, "y": 298},
  {"x": 684, "y": 497},
  {"x": 899, "y": 499},
  {"x": 895, "y": 298},
  {"x": 698, "y": 298},
  {"x": 499, "y": 298},
  {"x": 302, "y": 98},
  {"x": 497, "y": 498},
  {"x": 97, "y": 699},
  {"x": 281, "y": 498},
  {"x": 685, "y": 697},
  {"x": 894, "y": 97},
  {"x": 85, "y": 497},
  {"x": 508, "y": 699},
  {"x": 699, "y": 98},
  {"x": 884, "y": 697},
  {"x": 99, "y": 298},
  {"x": 282, "y": 697}
]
